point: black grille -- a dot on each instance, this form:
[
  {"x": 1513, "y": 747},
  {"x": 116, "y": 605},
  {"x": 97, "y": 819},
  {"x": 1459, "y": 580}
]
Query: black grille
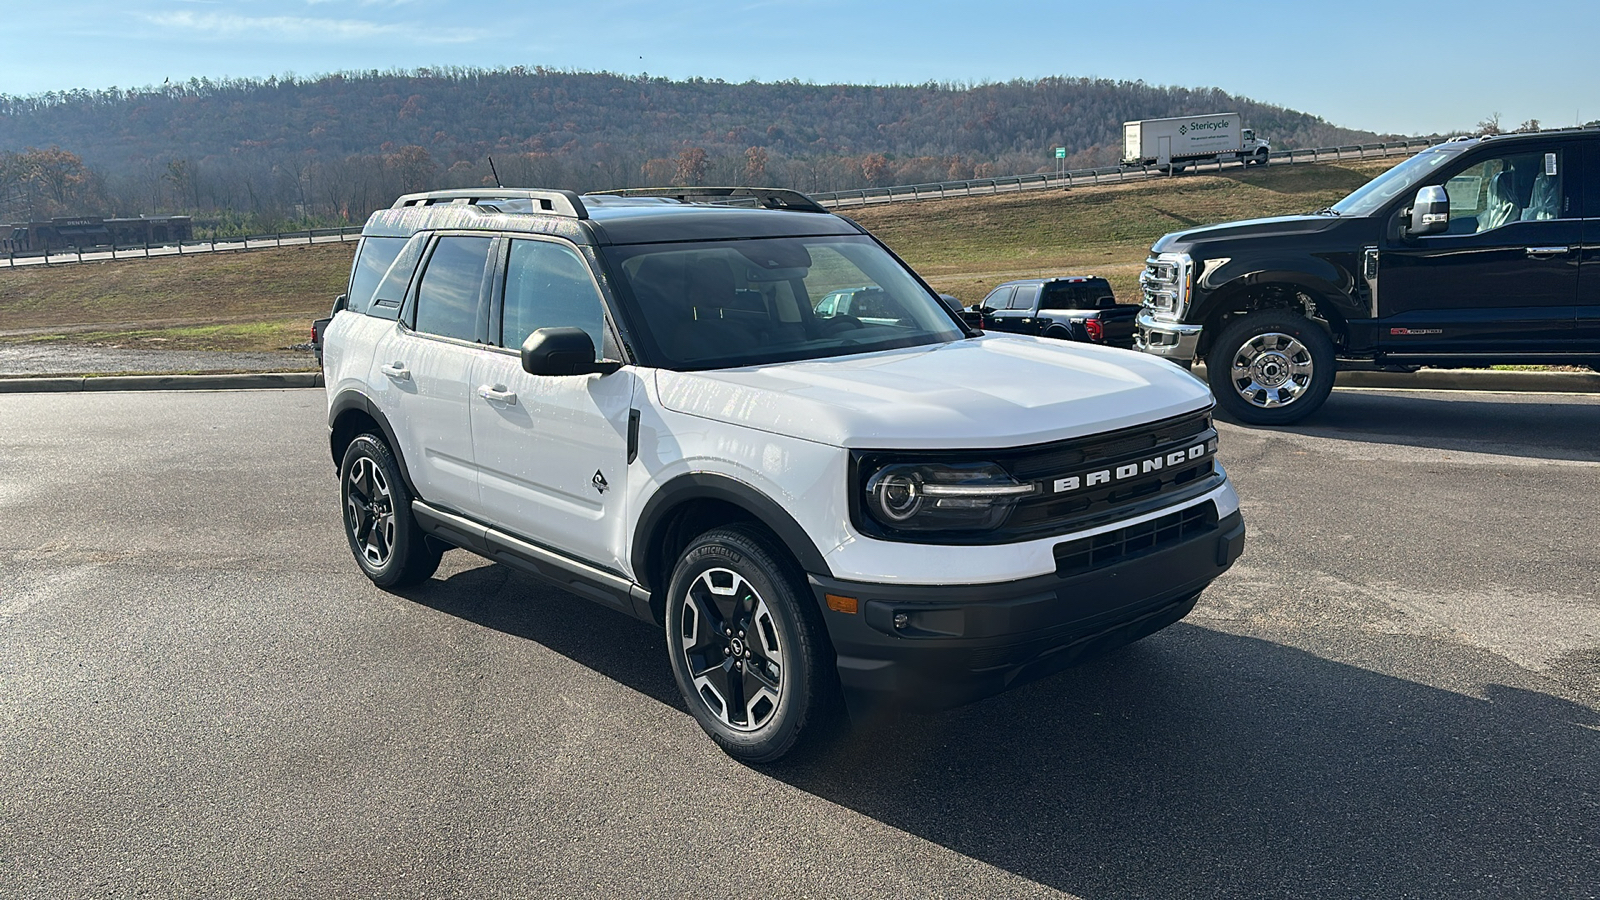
[
  {"x": 1087, "y": 554},
  {"x": 1172, "y": 460}
]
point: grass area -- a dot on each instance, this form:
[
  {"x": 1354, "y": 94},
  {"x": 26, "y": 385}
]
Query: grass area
[
  {"x": 967, "y": 246},
  {"x": 259, "y": 300},
  {"x": 265, "y": 299}
]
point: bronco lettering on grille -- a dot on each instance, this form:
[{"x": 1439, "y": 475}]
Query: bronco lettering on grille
[{"x": 1132, "y": 469}]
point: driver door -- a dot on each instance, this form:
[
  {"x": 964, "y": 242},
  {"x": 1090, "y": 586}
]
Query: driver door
[{"x": 1503, "y": 280}]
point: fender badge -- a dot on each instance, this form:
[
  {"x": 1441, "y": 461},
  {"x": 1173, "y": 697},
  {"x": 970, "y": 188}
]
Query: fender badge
[
  {"x": 1411, "y": 331},
  {"x": 599, "y": 482}
]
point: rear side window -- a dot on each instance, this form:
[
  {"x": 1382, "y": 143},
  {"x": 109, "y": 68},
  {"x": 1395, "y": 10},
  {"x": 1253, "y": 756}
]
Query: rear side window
[
  {"x": 447, "y": 299},
  {"x": 372, "y": 263},
  {"x": 1027, "y": 296},
  {"x": 1079, "y": 295}
]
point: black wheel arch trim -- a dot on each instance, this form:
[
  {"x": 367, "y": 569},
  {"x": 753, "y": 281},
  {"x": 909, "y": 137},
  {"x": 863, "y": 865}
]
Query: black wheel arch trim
[
  {"x": 352, "y": 400},
  {"x": 693, "y": 486}
]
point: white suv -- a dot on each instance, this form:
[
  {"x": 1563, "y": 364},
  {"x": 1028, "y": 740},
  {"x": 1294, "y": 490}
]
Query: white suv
[{"x": 645, "y": 400}]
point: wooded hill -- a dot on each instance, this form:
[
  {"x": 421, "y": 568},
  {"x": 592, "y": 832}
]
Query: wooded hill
[{"x": 337, "y": 146}]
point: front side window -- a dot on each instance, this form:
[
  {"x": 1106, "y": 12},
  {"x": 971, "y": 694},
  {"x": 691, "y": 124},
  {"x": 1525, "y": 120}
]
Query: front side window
[
  {"x": 447, "y": 298},
  {"x": 548, "y": 286},
  {"x": 1515, "y": 187},
  {"x": 719, "y": 304},
  {"x": 998, "y": 298}
]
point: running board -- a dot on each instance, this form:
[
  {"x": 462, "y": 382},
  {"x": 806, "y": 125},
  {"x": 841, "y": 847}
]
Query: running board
[{"x": 580, "y": 578}]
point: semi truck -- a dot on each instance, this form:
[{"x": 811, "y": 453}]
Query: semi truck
[{"x": 1176, "y": 143}]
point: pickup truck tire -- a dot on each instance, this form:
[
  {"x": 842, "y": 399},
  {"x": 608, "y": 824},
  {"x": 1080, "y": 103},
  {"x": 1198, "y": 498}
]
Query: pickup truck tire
[
  {"x": 387, "y": 543},
  {"x": 1058, "y": 333},
  {"x": 1272, "y": 367},
  {"x": 748, "y": 647}
]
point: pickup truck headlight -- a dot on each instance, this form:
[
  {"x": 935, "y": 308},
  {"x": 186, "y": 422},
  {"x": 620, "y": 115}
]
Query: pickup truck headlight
[
  {"x": 1166, "y": 283},
  {"x": 942, "y": 496}
]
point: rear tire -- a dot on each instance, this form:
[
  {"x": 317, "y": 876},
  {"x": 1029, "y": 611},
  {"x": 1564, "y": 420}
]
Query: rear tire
[
  {"x": 1272, "y": 367},
  {"x": 748, "y": 647},
  {"x": 384, "y": 537}
]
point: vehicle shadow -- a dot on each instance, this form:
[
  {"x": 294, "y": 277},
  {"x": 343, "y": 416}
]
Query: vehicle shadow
[
  {"x": 1549, "y": 427},
  {"x": 1193, "y": 764}
]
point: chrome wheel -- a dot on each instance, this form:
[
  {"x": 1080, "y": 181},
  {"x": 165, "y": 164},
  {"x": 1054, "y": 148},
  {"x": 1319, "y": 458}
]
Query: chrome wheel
[
  {"x": 730, "y": 645},
  {"x": 1271, "y": 370},
  {"x": 369, "y": 512}
]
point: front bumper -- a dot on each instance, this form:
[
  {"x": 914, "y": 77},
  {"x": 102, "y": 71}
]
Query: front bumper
[
  {"x": 1167, "y": 340},
  {"x": 937, "y": 646}
]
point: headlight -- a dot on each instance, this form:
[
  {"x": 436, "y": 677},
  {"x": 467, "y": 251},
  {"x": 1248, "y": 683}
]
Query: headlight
[
  {"x": 1166, "y": 284},
  {"x": 942, "y": 497}
]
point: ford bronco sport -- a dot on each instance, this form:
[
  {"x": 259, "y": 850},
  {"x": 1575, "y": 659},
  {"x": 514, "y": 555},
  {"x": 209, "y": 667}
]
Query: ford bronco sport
[{"x": 644, "y": 400}]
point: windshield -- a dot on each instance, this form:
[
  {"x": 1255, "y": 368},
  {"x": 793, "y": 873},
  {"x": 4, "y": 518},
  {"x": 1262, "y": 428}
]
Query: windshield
[
  {"x": 1370, "y": 197},
  {"x": 720, "y": 304}
]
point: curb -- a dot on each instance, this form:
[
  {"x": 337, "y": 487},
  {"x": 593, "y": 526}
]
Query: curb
[
  {"x": 1468, "y": 380},
  {"x": 237, "y": 382}
]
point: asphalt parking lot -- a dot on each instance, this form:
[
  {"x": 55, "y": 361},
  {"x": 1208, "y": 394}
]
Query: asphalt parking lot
[{"x": 1395, "y": 693}]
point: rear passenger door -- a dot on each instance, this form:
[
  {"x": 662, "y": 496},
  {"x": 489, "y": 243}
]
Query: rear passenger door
[
  {"x": 423, "y": 369},
  {"x": 1018, "y": 315},
  {"x": 551, "y": 451}
]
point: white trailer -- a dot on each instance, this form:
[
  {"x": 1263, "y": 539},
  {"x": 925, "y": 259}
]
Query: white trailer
[{"x": 1175, "y": 143}]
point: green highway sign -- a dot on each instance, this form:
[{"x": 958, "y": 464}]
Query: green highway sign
[{"x": 1061, "y": 153}]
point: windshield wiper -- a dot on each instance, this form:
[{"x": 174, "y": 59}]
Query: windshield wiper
[{"x": 1327, "y": 211}]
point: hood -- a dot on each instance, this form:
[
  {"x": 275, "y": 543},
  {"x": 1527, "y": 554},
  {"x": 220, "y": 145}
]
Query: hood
[
  {"x": 984, "y": 392},
  {"x": 1276, "y": 225}
]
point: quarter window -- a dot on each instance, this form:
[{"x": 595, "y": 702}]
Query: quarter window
[
  {"x": 548, "y": 286},
  {"x": 373, "y": 261},
  {"x": 447, "y": 299}
]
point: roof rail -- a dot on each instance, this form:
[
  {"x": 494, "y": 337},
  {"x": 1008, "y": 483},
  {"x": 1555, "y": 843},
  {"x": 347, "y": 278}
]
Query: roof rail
[
  {"x": 765, "y": 197},
  {"x": 561, "y": 203}
]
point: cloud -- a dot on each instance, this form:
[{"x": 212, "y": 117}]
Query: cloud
[{"x": 307, "y": 28}]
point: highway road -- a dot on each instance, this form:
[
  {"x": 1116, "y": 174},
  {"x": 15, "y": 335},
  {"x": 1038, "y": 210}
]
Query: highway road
[{"x": 1393, "y": 694}]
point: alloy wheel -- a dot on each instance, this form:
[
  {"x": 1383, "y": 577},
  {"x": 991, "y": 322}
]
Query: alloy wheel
[
  {"x": 1271, "y": 370},
  {"x": 731, "y": 644},
  {"x": 369, "y": 512}
]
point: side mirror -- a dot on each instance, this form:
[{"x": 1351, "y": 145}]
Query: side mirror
[
  {"x": 341, "y": 302},
  {"x": 563, "y": 351},
  {"x": 1430, "y": 213}
]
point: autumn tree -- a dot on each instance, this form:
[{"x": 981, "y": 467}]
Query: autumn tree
[
  {"x": 755, "y": 166},
  {"x": 691, "y": 167}
]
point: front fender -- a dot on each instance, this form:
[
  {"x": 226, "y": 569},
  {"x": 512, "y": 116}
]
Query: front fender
[{"x": 1324, "y": 280}]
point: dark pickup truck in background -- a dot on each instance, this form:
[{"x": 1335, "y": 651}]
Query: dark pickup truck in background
[
  {"x": 1073, "y": 307},
  {"x": 1475, "y": 252}
]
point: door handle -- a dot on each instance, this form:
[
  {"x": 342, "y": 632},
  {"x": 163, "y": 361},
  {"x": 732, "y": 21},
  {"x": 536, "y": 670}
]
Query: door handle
[
  {"x": 497, "y": 394},
  {"x": 397, "y": 371},
  {"x": 1542, "y": 252}
]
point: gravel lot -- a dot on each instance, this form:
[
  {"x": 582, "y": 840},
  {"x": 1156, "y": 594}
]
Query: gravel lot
[{"x": 57, "y": 359}]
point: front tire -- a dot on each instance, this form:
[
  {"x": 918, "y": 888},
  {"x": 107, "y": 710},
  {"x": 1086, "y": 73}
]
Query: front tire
[
  {"x": 748, "y": 647},
  {"x": 1272, "y": 367},
  {"x": 384, "y": 537}
]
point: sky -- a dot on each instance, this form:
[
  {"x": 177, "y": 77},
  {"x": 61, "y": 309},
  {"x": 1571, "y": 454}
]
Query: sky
[{"x": 1397, "y": 67}]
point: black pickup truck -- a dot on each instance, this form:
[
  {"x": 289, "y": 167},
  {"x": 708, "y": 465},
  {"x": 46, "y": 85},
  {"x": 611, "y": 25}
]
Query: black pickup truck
[
  {"x": 1073, "y": 307},
  {"x": 1475, "y": 252}
]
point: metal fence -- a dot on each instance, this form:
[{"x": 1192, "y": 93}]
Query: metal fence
[
  {"x": 974, "y": 187},
  {"x": 184, "y": 248}
]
